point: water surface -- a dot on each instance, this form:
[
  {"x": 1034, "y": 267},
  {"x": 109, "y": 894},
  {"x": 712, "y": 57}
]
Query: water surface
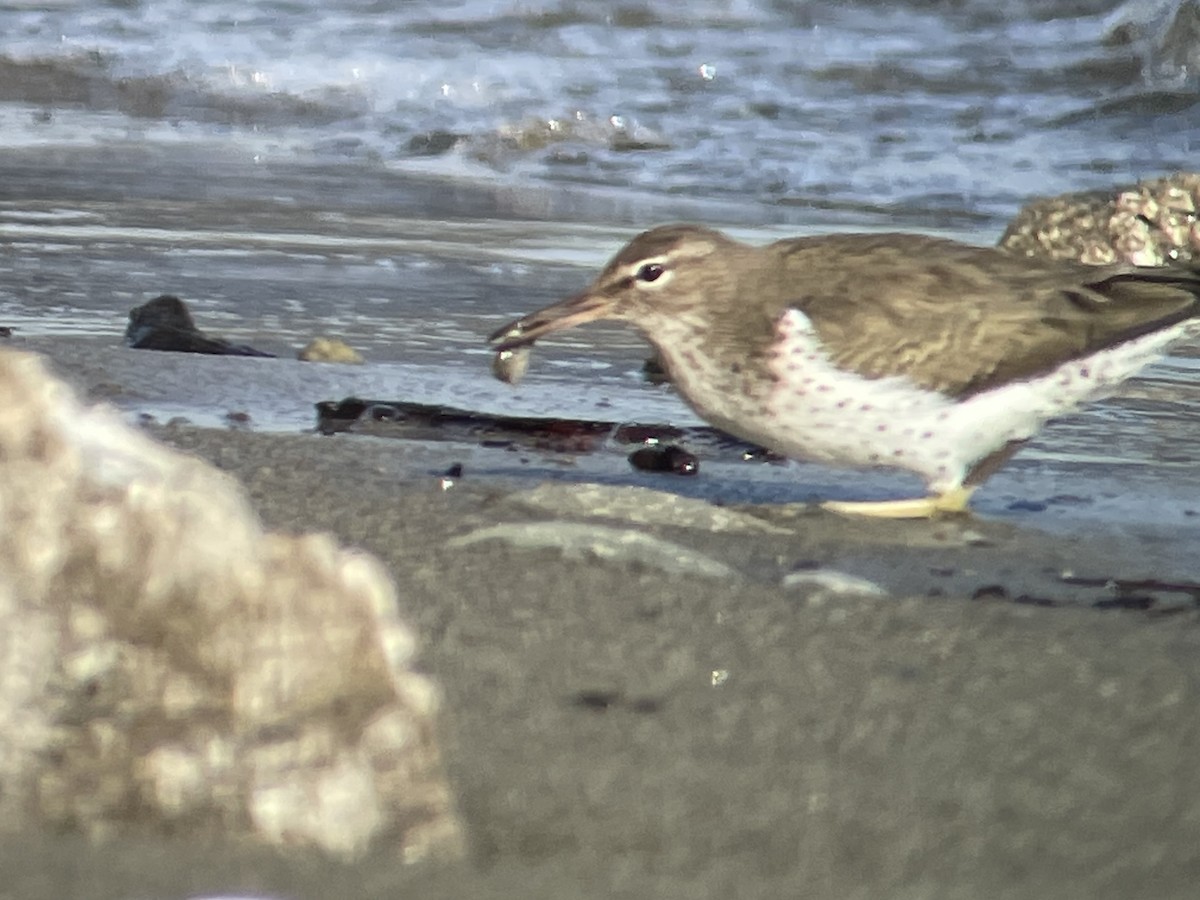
[{"x": 410, "y": 175}]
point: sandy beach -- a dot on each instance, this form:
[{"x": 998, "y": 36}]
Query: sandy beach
[{"x": 729, "y": 712}]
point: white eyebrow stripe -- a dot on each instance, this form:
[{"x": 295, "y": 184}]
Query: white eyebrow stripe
[
  {"x": 633, "y": 268},
  {"x": 688, "y": 250}
]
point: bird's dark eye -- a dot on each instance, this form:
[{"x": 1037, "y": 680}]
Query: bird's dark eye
[{"x": 650, "y": 272}]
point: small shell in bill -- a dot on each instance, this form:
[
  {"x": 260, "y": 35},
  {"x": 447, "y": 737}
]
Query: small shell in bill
[{"x": 510, "y": 365}]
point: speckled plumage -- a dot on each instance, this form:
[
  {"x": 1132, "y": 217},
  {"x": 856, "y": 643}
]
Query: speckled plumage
[{"x": 888, "y": 349}]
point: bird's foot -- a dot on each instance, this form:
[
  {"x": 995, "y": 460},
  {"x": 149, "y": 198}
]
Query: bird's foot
[{"x": 952, "y": 501}]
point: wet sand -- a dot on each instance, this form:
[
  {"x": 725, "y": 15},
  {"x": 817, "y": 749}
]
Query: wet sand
[{"x": 988, "y": 728}]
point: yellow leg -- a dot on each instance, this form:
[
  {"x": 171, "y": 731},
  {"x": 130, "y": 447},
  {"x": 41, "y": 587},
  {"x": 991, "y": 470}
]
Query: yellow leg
[{"x": 952, "y": 501}]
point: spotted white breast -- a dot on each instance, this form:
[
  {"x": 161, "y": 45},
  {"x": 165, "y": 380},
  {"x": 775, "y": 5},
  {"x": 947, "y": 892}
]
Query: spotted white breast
[{"x": 817, "y": 411}]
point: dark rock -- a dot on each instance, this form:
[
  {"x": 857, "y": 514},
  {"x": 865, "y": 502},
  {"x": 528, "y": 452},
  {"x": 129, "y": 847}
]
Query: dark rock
[
  {"x": 422, "y": 421},
  {"x": 670, "y": 458},
  {"x": 164, "y": 323},
  {"x": 654, "y": 371}
]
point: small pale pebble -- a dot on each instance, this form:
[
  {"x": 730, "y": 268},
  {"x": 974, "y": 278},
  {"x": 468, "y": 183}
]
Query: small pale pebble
[{"x": 329, "y": 350}]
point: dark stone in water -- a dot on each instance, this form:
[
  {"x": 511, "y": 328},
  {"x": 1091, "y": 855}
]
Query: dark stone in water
[
  {"x": 670, "y": 458},
  {"x": 334, "y": 413},
  {"x": 164, "y": 323},
  {"x": 654, "y": 371}
]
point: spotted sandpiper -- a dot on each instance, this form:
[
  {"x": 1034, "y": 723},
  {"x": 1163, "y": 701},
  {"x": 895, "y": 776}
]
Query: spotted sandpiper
[{"x": 880, "y": 350}]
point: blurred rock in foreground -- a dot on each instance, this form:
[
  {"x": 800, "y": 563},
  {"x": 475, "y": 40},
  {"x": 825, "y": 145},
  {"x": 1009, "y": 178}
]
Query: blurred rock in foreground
[
  {"x": 1152, "y": 223},
  {"x": 165, "y": 665}
]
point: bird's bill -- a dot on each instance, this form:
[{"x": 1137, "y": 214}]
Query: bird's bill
[{"x": 567, "y": 313}]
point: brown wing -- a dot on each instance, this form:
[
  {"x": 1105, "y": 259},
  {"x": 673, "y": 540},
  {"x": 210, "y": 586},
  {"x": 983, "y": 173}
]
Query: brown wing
[{"x": 962, "y": 319}]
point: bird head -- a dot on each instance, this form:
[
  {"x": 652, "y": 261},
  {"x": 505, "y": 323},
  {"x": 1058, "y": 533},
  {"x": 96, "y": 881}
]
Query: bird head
[{"x": 659, "y": 276}]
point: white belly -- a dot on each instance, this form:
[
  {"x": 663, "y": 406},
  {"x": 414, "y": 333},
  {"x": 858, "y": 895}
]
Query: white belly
[{"x": 819, "y": 412}]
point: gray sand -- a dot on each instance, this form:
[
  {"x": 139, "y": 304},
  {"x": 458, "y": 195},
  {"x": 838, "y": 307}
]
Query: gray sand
[{"x": 613, "y": 728}]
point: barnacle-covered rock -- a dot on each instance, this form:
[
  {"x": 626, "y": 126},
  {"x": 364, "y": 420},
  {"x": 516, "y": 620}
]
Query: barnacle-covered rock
[
  {"x": 1152, "y": 223},
  {"x": 166, "y": 665}
]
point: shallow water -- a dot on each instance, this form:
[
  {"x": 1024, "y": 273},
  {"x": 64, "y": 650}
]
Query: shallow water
[
  {"x": 409, "y": 176},
  {"x": 941, "y": 113}
]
